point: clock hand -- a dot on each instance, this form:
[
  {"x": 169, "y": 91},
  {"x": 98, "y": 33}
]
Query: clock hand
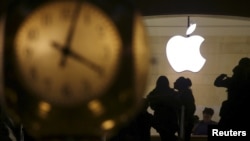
[
  {"x": 87, "y": 62},
  {"x": 66, "y": 47},
  {"x": 78, "y": 57}
]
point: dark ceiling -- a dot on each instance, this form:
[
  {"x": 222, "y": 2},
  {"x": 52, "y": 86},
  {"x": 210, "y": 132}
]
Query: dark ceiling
[
  {"x": 172, "y": 7},
  {"x": 207, "y": 7}
]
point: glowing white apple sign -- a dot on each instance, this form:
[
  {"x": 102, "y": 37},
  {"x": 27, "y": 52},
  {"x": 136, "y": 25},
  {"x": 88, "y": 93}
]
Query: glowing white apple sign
[{"x": 183, "y": 53}]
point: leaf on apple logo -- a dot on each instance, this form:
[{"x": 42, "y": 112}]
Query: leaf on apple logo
[{"x": 191, "y": 29}]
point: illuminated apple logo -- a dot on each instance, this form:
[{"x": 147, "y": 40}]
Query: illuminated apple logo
[{"x": 183, "y": 53}]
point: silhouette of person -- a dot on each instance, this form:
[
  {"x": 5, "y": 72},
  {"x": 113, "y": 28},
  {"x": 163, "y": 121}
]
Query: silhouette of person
[
  {"x": 232, "y": 112},
  {"x": 188, "y": 107},
  {"x": 225, "y": 81},
  {"x": 144, "y": 121},
  {"x": 164, "y": 103},
  {"x": 201, "y": 128}
]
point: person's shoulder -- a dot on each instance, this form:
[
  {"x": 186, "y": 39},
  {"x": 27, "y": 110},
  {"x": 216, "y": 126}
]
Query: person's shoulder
[
  {"x": 151, "y": 93},
  {"x": 172, "y": 91}
]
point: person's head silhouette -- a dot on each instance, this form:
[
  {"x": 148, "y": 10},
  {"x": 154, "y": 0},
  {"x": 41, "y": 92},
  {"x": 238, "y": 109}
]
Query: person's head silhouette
[
  {"x": 207, "y": 114},
  {"x": 243, "y": 63},
  {"x": 162, "y": 82},
  {"x": 182, "y": 83}
]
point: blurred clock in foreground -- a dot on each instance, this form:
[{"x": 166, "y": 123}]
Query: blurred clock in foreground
[{"x": 74, "y": 68}]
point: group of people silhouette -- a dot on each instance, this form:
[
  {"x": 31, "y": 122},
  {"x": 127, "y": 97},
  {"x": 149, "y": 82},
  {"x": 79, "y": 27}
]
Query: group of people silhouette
[
  {"x": 171, "y": 106},
  {"x": 173, "y": 109}
]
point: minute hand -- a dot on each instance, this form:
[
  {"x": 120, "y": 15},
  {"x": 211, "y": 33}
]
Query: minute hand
[{"x": 67, "y": 44}]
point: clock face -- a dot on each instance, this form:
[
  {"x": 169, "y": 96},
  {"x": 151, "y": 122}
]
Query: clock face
[{"x": 67, "y": 52}]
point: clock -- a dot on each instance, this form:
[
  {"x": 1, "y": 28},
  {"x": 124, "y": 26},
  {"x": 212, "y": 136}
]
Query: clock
[
  {"x": 74, "y": 68},
  {"x": 67, "y": 53}
]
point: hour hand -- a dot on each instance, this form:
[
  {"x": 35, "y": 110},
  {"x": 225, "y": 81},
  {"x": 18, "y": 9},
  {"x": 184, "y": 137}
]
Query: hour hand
[
  {"x": 67, "y": 52},
  {"x": 87, "y": 62}
]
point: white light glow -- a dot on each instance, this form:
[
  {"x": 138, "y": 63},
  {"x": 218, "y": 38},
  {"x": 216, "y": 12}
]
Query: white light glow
[{"x": 183, "y": 53}]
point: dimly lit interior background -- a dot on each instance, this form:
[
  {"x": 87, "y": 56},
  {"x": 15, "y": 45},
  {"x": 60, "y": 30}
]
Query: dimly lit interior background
[{"x": 227, "y": 39}]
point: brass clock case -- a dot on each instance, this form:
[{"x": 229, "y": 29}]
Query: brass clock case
[{"x": 74, "y": 68}]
